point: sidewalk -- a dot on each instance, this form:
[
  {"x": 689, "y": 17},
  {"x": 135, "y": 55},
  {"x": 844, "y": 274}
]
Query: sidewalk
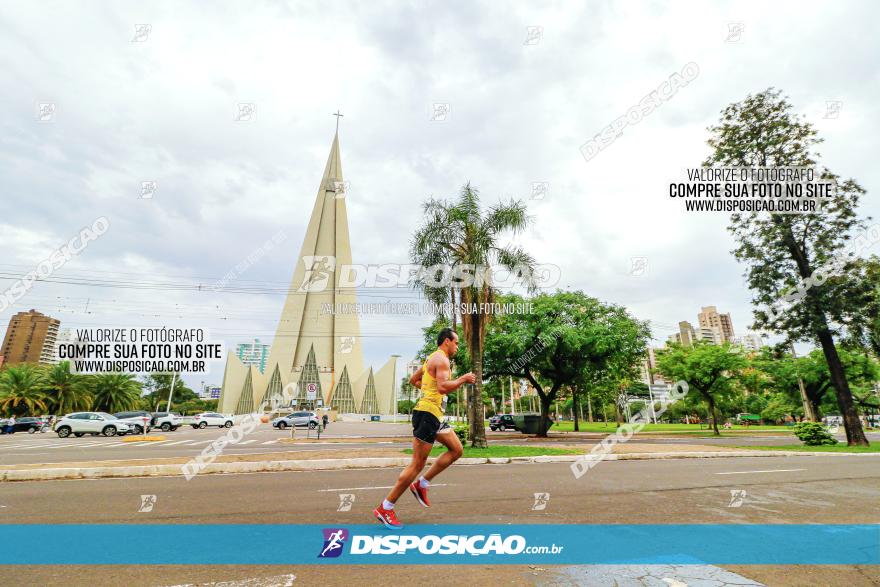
[{"x": 361, "y": 458}]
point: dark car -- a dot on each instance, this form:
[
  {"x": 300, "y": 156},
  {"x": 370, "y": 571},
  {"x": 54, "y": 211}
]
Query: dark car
[
  {"x": 28, "y": 424},
  {"x": 501, "y": 422}
]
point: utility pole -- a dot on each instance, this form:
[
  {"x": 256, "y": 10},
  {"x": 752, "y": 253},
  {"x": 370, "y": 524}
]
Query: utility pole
[
  {"x": 171, "y": 392},
  {"x": 512, "y": 397}
]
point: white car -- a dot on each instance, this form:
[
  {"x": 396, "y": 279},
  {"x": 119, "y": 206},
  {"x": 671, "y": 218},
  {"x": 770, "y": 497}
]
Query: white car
[
  {"x": 206, "y": 419},
  {"x": 95, "y": 423}
]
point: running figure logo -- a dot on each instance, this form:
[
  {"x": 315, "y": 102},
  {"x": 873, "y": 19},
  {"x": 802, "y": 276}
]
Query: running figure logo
[
  {"x": 346, "y": 500},
  {"x": 318, "y": 270},
  {"x": 737, "y": 497},
  {"x": 541, "y": 500},
  {"x": 147, "y": 503},
  {"x": 334, "y": 541}
]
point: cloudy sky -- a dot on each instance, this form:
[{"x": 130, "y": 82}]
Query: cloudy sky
[{"x": 159, "y": 103}]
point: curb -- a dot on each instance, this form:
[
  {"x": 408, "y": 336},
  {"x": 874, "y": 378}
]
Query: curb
[{"x": 60, "y": 473}]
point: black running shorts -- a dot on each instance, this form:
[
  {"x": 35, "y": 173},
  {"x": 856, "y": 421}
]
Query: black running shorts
[{"x": 426, "y": 426}]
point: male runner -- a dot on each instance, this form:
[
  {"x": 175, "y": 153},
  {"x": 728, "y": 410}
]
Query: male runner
[{"x": 433, "y": 380}]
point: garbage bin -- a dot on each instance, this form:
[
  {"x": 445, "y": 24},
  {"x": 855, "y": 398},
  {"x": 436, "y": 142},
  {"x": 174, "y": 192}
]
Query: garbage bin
[{"x": 528, "y": 423}]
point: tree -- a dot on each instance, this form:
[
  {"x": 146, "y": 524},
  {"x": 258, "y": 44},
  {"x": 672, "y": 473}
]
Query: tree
[
  {"x": 66, "y": 392},
  {"x": 708, "y": 368},
  {"x": 158, "y": 385},
  {"x": 863, "y": 331},
  {"x": 566, "y": 336},
  {"x": 783, "y": 251},
  {"x": 115, "y": 392},
  {"x": 465, "y": 241},
  {"x": 22, "y": 389}
]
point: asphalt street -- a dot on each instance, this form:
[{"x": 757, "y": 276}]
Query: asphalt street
[
  {"x": 820, "y": 489},
  {"x": 24, "y": 448}
]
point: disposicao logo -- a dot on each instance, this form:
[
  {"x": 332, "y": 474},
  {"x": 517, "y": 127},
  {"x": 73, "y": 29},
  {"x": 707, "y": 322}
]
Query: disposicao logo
[{"x": 334, "y": 541}]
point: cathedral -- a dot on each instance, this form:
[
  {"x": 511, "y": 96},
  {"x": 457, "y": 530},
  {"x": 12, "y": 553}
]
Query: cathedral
[{"x": 315, "y": 354}]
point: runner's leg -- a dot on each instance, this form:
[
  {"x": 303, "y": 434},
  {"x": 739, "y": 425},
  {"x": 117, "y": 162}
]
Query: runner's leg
[
  {"x": 421, "y": 450},
  {"x": 450, "y": 440}
]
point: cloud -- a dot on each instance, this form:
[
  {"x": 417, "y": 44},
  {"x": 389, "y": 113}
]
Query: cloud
[{"x": 163, "y": 110}]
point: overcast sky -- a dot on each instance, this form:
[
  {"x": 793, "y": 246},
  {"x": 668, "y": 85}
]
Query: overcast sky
[{"x": 159, "y": 105}]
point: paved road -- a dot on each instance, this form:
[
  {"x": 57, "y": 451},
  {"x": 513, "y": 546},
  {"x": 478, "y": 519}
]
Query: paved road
[
  {"x": 822, "y": 489},
  {"x": 186, "y": 442}
]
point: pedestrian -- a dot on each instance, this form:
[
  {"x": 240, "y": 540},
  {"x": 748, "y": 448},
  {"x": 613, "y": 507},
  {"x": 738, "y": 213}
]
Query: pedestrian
[
  {"x": 434, "y": 379},
  {"x": 326, "y": 419},
  {"x": 10, "y": 425}
]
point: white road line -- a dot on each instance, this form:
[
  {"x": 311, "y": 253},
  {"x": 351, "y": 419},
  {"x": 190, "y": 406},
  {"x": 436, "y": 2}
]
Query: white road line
[
  {"x": 246, "y": 441},
  {"x": 201, "y": 442},
  {"x": 270, "y": 442},
  {"x": 769, "y": 471},
  {"x": 380, "y": 487},
  {"x": 178, "y": 442},
  {"x": 51, "y": 445}
]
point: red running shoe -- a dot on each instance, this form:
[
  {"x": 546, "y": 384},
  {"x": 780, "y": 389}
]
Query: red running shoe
[
  {"x": 387, "y": 517},
  {"x": 420, "y": 493}
]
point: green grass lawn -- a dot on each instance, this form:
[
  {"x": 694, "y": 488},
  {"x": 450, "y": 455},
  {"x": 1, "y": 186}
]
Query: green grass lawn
[
  {"x": 568, "y": 426},
  {"x": 503, "y": 450},
  {"x": 839, "y": 447}
]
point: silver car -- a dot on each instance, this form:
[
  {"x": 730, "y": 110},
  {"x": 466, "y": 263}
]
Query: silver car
[
  {"x": 299, "y": 419},
  {"x": 94, "y": 423}
]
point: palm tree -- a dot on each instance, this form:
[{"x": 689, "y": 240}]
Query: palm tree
[
  {"x": 458, "y": 234},
  {"x": 22, "y": 389},
  {"x": 67, "y": 392},
  {"x": 115, "y": 392}
]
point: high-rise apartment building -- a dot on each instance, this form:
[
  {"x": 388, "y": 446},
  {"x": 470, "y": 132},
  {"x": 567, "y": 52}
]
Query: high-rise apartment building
[
  {"x": 710, "y": 318},
  {"x": 30, "y": 338}
]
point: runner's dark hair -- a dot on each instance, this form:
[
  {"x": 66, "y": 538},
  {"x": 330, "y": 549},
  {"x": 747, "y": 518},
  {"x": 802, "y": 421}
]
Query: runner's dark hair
[{"x": 446, "y": 333}]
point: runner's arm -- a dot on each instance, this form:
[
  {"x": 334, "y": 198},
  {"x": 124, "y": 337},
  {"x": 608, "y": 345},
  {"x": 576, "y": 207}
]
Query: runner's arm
[
  {"x": 443, "y": 373},
  {"x": 416, "y": 379}
]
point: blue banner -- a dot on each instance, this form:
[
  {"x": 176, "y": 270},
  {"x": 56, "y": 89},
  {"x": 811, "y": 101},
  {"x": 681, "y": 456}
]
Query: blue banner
[{"x": 259, "y": 544}]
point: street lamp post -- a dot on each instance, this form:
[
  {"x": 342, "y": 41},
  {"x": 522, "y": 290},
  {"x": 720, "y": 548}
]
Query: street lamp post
[{"x": 394, "y": 386}]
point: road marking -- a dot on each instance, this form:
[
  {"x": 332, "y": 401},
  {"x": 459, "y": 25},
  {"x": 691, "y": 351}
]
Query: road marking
[
  {"x": 380, "y": 487},
  {"x": 270, "y": 442},
  {"x": 178, "y": 442},
  {"x": 768, "y": 471},
  {"x": 246, "y": 441}
]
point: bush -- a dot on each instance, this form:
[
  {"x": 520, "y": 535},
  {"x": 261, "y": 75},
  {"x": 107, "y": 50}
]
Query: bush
[
  {"x": 461, "y": 430},
  {"x": 813, "y": 434}
]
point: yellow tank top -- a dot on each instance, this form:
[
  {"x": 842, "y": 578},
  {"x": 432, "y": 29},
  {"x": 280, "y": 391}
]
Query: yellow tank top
[{"x": 431, "y": 401}]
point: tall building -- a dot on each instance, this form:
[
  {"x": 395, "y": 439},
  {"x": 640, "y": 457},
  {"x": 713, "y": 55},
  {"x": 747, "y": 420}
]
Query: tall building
[
  {"x": 316, "y": 354},
  {"x": 253, "y": 353},
  {"x": 750, "y": 342},
  {"x": 30, "y": 338},
  {"x": 710, "y": 318},
  {"x": 65, "y": 336},
  {"x": 710, "y": 334}
]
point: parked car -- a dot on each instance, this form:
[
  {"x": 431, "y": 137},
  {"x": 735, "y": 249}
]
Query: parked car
[
  {"x": 80, "y": 423},
  {"x": 303, "y": 419},
  {"x": 206, "y": 419},
  {"x": 29, "y": 424},
  {"x": 136, "y": 420},
  {"x": 501, "y": 422},
  {"x": 166, "y": 421}
]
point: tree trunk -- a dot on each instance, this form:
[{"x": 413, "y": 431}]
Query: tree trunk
[
  {"x": 589, "y": 408},
  {"x": 574, "y": 405},
  {"x": 545, "y": 415},
  {"x": 475, "y": 399},
  {"x": 714, "y": 416},
  {"x": 855, "y": 435}
]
